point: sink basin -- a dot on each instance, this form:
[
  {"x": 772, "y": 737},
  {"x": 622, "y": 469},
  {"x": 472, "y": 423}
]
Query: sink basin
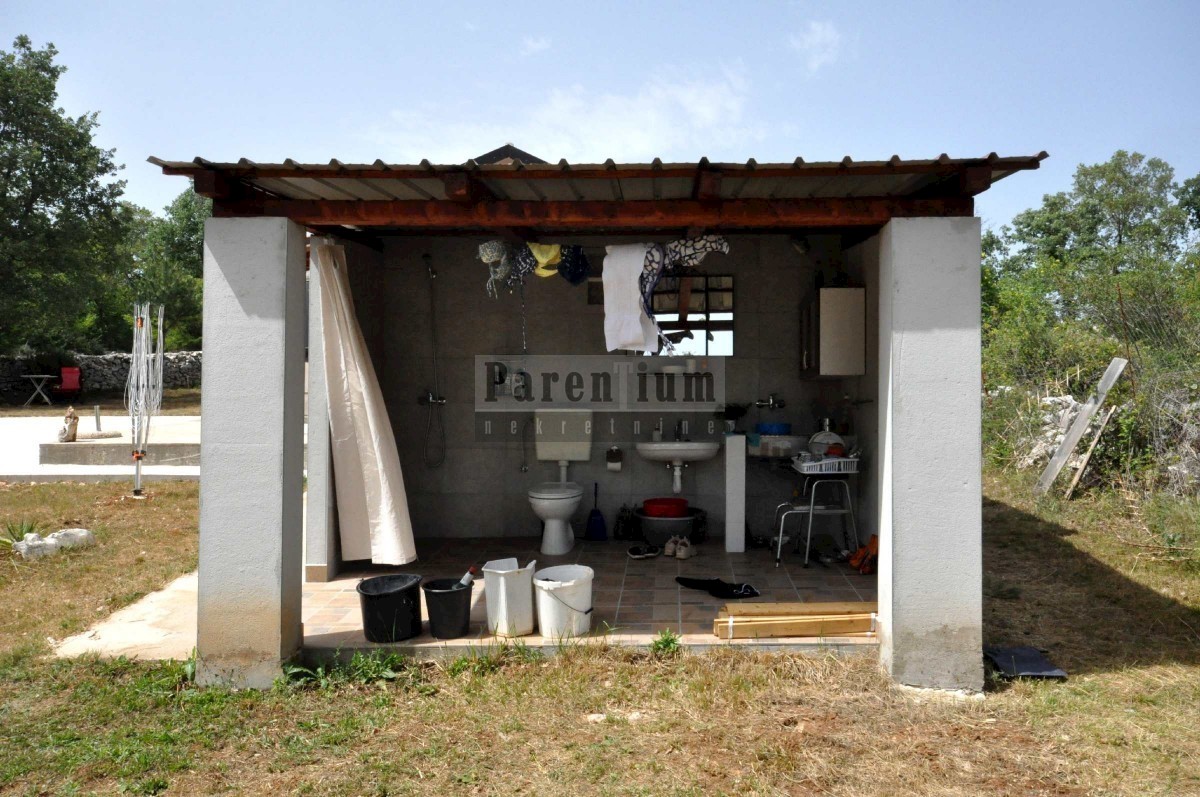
[{"x": 678, "y": 452}]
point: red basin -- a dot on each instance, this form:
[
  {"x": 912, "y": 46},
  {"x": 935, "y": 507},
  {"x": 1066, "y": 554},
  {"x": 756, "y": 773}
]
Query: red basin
[{"x": 665, "y": 507}]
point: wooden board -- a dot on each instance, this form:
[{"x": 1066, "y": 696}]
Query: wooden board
[
  {"x": 723, "y": 628},
  {"x": 1088, "y": 456},
  {"x": 1079, "y": 426},
  {"x": 799, "y": 609}
]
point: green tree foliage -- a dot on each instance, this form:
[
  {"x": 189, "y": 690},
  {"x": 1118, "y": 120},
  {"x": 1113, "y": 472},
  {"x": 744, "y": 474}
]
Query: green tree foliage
[
  {"x": 61, "y": 222},
  {"x": 168, "y": 266},
  {"x": 1108, "y": 267}
]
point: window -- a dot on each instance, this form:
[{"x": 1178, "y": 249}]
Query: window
[{"x": 707, "y": 325}]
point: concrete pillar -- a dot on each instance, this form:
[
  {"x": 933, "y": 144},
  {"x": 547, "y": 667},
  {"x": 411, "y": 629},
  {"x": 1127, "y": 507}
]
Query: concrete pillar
[
  {"x": 252, "y": 448},
  {"x": 320, "y": 548},
  {"x": 930, "y": 515}
]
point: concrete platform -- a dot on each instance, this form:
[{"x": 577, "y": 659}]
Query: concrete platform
[
  {"x": 21, "y": 439},
  {"x": 633, "y": 601},
  {"x": 116, "y": 452}
]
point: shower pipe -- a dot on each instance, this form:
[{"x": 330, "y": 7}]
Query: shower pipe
[{"x": 433, "y": 399}]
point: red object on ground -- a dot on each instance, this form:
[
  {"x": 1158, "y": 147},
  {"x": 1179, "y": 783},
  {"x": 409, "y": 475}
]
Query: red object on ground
[{"x": 665, "y": 507}]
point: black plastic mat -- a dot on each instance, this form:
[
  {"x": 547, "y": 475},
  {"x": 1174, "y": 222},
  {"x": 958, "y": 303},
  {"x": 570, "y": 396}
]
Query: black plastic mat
[{"x": 1023, "y": 662}]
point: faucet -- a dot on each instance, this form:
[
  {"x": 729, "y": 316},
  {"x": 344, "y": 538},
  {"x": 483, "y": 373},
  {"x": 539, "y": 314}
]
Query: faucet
[
  {"x": 679, "y": 430},
  {"x": 771, "y": 402}
]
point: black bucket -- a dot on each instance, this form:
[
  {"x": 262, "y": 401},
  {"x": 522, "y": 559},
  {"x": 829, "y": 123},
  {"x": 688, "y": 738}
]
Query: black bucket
[
  {"x": 449, "y": 605},
  {"x": 391, "y": 607}
]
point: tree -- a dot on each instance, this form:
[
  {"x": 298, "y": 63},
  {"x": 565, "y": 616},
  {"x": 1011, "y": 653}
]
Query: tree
[
  {"x": 1113, "y": 260},
  {"x": 61, "y": 222}
]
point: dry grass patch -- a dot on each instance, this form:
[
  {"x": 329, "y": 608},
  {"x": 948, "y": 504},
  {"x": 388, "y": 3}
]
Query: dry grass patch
[
  {"x": 590, "y": 721},
  {"x": 612, "y": 721},
  {"x": 141, "y": 545},
  {"x": 1126, "y": 628}
]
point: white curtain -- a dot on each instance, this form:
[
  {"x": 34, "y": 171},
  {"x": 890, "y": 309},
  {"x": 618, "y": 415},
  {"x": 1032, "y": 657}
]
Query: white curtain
[{"x": 372, "y": 507}]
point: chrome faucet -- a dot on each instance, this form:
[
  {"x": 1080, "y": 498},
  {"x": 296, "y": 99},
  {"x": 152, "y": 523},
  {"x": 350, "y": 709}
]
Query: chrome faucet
[{"x": 771, "y": 402}]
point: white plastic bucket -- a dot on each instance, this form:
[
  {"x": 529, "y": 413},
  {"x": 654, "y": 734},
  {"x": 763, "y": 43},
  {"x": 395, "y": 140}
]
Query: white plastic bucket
[
  {"x": 564, "y": 601},
  {"x": 508, "y": 592}
]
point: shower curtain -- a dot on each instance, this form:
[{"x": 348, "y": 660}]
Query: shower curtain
[{"x": 372, "y": 508}]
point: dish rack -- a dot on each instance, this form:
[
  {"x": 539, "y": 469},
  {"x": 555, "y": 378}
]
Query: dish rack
[{"x": 826, "y": 465}]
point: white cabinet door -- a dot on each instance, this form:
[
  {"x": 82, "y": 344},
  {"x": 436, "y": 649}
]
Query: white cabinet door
[{"x": 833, "y": 333}]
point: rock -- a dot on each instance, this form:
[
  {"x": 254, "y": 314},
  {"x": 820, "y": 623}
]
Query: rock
[{"x": 36, "y": 547}]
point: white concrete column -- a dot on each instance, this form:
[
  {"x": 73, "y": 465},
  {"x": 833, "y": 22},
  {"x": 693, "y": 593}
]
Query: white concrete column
[
  {"x": 252, "y": 396},
  {"x": 319, "y": 523},
  {"x": 735, "y": 493},
  {"x": 930, "y": 515}
]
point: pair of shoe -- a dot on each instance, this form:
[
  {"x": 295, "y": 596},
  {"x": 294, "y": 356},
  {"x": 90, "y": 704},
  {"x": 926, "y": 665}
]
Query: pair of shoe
[{"x": 679, "y": 547}]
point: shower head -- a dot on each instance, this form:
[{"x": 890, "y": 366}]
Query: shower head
[{"x": 428, "y": 258}]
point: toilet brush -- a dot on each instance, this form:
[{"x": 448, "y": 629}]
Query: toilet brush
[{"x": 596, "y": 530}]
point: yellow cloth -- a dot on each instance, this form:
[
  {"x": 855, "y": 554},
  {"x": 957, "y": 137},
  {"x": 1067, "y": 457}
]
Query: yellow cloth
[{"x": 548, "y": 257}]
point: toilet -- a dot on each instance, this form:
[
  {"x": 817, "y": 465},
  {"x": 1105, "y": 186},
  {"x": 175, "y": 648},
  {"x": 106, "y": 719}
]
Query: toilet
[{"x": 562, "y": 436}]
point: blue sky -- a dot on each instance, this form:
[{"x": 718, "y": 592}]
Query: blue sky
[{"x": 588, "y": 81}]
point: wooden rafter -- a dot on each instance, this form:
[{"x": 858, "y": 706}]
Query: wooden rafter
[{"x": 713, "y": 216}]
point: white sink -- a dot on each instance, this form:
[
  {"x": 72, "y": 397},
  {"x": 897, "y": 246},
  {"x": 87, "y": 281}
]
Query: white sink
[{"x": 678, "y": 452}]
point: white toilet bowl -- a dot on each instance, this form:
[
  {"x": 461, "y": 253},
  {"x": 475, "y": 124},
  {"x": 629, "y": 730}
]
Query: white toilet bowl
[{"x": 555, "y": 503}]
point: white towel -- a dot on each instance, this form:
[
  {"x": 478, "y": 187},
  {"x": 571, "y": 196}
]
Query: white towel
[{"x": 625, "y": 323}]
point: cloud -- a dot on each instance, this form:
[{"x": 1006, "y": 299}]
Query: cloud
[
  {"x": 672, "y": 115},
  {"x": 820, "y": 44},
  {"x": 530, "y": 45}
]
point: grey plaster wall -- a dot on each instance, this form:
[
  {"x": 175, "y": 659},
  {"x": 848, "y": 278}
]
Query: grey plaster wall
[{"x": 480, "y": 489}]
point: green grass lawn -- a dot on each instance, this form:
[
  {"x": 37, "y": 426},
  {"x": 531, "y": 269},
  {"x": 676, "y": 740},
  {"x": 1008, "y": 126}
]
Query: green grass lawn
[{"x": 612, "y": 721}]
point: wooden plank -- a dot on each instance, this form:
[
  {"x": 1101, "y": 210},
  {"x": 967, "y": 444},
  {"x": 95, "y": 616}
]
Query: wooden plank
[
  {"x": 1088, "y": 456},
  {"x": 794, "y": 627},
  {"x": 827, "y": 608},
  {"x": 1080, "y": 425},
  {"x": 599, "y": 215}
]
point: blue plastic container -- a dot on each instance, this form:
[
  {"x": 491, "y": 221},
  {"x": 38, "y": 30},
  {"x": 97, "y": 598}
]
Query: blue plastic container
[{"x": 773, "y": 428}]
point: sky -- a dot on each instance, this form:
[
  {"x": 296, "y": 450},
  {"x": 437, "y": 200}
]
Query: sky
[{"x": 447, "y": 81}]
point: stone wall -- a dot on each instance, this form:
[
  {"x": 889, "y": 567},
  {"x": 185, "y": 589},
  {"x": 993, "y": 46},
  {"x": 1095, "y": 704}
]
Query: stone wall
[{"x": 106, "y": 372}]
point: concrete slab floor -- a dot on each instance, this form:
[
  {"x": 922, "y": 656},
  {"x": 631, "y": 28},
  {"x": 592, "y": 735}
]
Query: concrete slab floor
[
  {"x": 633, "y": 600},
  {"x": 22, "y": 437}
]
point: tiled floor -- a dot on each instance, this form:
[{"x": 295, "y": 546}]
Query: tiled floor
[{"x": 632, "y": 599}]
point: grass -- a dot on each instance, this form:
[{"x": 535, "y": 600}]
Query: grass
[
  {"x": 608, "y": 720},
  {"x": 176, "y": 401},
  {"x": 140, "y": 546}
]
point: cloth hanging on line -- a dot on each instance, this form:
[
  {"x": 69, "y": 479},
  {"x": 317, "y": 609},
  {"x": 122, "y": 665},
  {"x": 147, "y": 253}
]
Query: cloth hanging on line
[
  {"x": 672, "y": 259},
  {"x": 373, "y": 517},
  {"x": 626, "y": 325},
  {"x": 574, "y": 266},
  {"x": 548, "y": 256},
  {"x": 508, "y": 264}
]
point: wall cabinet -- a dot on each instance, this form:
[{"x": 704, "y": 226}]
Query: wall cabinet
[{"x": 833, "y": 333}]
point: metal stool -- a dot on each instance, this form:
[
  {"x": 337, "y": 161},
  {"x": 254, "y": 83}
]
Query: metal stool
[{"x": 813, "y": 508}]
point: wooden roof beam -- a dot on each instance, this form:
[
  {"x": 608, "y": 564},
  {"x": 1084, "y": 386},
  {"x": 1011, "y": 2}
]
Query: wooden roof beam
[{"x": 600, "y": 215}]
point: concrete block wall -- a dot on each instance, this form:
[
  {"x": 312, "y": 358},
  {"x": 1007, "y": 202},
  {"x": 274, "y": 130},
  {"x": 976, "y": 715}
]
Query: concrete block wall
[{"x": 480, "y": 489}]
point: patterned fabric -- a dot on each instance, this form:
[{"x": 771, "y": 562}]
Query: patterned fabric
[
  {"x": 672, "y": 259},
  {"x": 498, "y": 258},
  {"x": 574, "y": 266}
]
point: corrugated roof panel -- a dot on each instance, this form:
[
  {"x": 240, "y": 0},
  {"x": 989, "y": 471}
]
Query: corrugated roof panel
[
  {"x": 283, "y": 188},
  {"x": 636, "y": 190}
]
